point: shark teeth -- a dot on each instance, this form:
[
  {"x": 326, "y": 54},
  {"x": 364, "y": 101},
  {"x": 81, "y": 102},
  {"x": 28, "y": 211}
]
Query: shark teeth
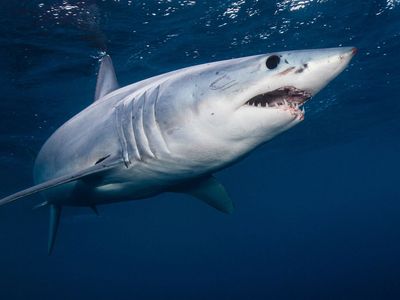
[
  {"x": 287, "y": 98},
  {"x": 281, "y": 104}
]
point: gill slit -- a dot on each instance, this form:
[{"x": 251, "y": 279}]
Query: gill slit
[
  {"x": 146, "y": 142},
  {"x": 145, "y": 134},
  {"x": 156, "y": 121},
  {"x": 118, "y": 122},
  {"x": 131, "y": 132}
]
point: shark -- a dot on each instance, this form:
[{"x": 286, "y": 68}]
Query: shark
[{"x": 172, "y": 132}]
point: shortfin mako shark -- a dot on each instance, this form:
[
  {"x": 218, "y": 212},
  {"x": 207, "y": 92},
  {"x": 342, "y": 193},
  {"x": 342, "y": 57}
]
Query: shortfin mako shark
[{"x": 171, "y": 132}]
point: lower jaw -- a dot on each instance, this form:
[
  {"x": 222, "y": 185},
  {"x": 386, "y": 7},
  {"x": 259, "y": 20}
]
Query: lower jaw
[{"x": 297, "y": 113}]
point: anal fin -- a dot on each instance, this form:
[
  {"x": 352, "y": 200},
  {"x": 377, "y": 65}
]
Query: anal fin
[{"x": 54, "y": 221}]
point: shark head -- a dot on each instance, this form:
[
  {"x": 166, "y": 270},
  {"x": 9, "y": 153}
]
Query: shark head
[{"x": 238, "y": 104}]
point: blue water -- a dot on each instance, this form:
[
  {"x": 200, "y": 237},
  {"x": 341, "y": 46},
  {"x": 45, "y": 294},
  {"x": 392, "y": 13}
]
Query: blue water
[{"x": 317, "y": 209}]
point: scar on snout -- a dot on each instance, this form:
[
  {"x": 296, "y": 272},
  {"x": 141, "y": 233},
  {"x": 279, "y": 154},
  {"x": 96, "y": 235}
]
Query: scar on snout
[
  {"x": 222, "y": 82},
  {"x": 284, "y": 72}
]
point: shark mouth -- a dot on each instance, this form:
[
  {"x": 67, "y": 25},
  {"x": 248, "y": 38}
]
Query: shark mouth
[{"x": 287, "y": 98}]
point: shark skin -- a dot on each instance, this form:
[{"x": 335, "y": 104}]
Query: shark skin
[{"x": 171, "y": 132}]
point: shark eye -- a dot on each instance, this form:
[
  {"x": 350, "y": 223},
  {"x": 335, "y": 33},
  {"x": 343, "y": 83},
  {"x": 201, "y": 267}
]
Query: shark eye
[{"x": 272, "y": 62}]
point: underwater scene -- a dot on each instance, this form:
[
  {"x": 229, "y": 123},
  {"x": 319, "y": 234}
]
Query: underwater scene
[{"x": 304, "y": 197}]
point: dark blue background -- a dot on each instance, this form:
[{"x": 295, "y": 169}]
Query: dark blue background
[{"x": 317, "y": 209}]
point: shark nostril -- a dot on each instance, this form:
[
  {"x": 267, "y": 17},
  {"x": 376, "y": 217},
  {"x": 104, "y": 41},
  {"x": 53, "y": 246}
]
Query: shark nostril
[{"x": 299, "y": 70}]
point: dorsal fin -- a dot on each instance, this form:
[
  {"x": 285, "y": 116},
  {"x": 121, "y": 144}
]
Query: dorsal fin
[{"x": 106, "y": 79}]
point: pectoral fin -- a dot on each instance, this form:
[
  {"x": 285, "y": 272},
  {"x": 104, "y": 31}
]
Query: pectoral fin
[
  {"x": 84, "y": 174},
  {"x": 211, "y": 192}
]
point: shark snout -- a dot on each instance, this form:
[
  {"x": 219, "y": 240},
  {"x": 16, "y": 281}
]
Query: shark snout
[
  {"x": 324, "y": 66},
  {"x": 349, "y": 53}
]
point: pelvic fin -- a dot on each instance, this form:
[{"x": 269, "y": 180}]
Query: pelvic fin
[
  {"x": 54, "y": 221},
  {"x": 95, "y": 210},
  {"x": 210, "y": 191}
]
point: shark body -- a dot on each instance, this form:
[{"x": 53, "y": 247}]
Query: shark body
[{"x": 173, "y": 131}]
